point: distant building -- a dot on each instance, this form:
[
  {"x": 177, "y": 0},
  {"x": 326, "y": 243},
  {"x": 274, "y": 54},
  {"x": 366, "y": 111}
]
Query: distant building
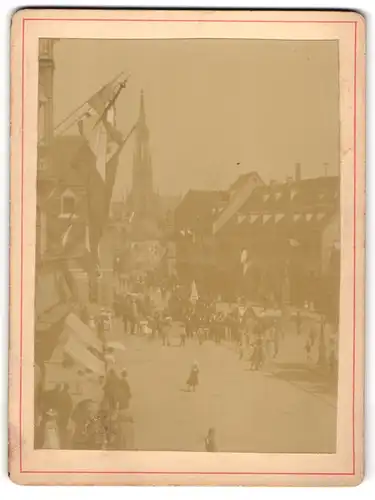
[
  {"x": 143, "y": 201},
  {"x": 199, "y": 221},
  {"x": 289, "y": 231}
]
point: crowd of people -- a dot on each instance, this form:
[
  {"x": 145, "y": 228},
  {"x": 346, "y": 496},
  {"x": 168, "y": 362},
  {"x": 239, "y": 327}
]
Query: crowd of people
[{"x": 108, "y": 423}]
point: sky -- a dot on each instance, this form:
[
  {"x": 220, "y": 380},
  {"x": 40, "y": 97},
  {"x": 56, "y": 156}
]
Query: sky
[{"x": 215, "y": 108}]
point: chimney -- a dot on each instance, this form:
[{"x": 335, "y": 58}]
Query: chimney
[{"x": 297, "y": 176}]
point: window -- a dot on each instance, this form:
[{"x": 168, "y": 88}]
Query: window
[{"x": 68, "y": 204}]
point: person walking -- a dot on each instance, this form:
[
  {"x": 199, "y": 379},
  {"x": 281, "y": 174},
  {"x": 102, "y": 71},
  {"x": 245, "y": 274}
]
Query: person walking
[
  {"x": 193, "y": 379},
  {"x": 210, "y": 440},
  {"x": 182, "y": 335},
  {"x": 51, "y": 436}
]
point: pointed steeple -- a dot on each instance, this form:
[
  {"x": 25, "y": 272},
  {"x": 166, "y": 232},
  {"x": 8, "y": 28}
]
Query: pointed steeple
[{"x": 142, "y": 188}]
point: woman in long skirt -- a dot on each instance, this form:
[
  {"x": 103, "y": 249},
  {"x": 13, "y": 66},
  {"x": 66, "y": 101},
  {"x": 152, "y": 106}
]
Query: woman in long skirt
[{"x": 193, "y": 379}]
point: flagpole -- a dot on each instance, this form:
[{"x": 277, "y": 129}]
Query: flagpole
[
  {"x": 76, "y": 110},
  {"x": 112, "y": 102}
]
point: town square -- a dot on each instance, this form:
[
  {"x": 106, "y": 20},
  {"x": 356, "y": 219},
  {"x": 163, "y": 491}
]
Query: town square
[{"x": 186, "y": 305}]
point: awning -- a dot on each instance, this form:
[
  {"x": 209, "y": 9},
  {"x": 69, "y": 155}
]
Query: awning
[
  {"x": 76, "y": 327},
  {"x": 78, "y": 351}
]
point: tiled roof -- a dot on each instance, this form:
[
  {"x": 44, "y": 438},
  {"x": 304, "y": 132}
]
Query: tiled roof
[
  {"x": 69, "y": 157},
  {"x": 310, "y": 194},
  {"x": 198, "y": 209}
]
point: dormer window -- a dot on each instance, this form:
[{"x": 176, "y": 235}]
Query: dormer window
[{"x": 68, "y": 204}]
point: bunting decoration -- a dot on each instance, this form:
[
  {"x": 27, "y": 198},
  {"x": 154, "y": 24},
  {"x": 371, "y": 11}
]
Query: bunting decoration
[
  {"x": 253, "y": 218},
  {"x": 266, "y": 218},
  {"x": 278, "y": 217},
  {"x": 297, "y": 217},
  {"x": 240, "y": 218},
  {"x": 266, "y": 197},
  {"x": 309, "y": 217},
  {"x": 277, "y": 196},
  {"x": 320, "y": 216}
]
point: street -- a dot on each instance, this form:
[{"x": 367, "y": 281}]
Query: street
[{"x": 251, "y": 411}]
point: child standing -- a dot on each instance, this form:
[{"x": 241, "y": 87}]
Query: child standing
[{"x": 193, "y": 381}]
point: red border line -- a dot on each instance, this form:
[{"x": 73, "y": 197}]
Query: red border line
[
  {"x": 354, "y": 243},
  {"x": 140, "y": 20},
  {"x": 351, "y": 473},
  {"x": 22, "y": 231}
]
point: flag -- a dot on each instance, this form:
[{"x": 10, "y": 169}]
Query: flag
[
  {"x": 106, "y": 144},
  {"x": 293, "y": 243},
  {"x": 266, "y": 218},
  {"x": 309, "y": 217},
  {"x": 243, "y": 257},
  {"x": 253, "y": 218},
  {"x": 296, "y": 217},
  {"x": 194, "y": 292},
  {"x": 99, "y": 100},
  {"x": 293, "y": 194},
  {"x": 320, "y": 216},
  {"x": 240, "y": 218},
  {"x": 278, "y": 217}
]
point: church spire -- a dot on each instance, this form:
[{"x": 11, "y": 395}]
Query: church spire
[{"x": 142, "y": 186}]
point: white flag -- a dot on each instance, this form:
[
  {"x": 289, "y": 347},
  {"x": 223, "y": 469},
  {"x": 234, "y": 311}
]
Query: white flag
[
  {"x": 294, "y": 243},
  {"x": 240, "y": 218},
  {"x": 297, "y": 217},
  {"x": 309, "y": 217},
  {"x": 243, "y": 256},
  {"x": 278, "y": 217},
  {"x": 253, "y": 218}
]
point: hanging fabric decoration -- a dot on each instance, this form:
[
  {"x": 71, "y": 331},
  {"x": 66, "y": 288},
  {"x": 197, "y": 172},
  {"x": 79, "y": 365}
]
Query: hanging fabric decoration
[
  {"x": 240, "y": 218},
  {"x": 253, "y": 218},
  {"x": 296, "y": 217},
  {"x": 309, "y": 217},
  {"x": 266, "y": 218},
  {"x": 278, "y": 217}
]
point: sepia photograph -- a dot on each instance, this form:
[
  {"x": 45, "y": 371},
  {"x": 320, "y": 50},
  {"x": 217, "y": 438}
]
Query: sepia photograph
[
  {"x": 187, "y": 248},
  {"x": 188, "y": 245}
]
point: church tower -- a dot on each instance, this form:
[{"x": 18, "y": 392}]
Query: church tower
[{"x": 142, "y": 193}]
